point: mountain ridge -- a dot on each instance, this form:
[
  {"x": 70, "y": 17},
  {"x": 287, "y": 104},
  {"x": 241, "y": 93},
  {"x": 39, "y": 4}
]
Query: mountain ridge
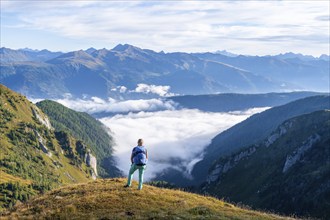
[
  {"x": 34, "y": 158},
  {"x": 256, "y": 128},
  {"x": 287, "y": 172},
  {"x": 40, "y": 151},
  {"x": 96, "y": 135},
  {"x": 184, "y": 73}
]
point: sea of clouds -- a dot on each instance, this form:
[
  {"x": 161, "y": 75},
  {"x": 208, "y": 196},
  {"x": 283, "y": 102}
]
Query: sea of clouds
[{"x": 175, "y": 138}]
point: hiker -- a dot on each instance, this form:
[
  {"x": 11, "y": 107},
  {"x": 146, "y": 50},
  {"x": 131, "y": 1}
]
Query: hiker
[{"x": 139, "y": 158}]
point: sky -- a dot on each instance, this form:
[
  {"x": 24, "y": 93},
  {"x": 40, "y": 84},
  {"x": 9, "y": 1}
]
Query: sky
[{"x": 241, "y": 27}]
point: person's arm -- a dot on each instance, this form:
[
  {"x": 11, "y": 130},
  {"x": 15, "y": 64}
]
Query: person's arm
[
  {"x": 132, "y": 157},
  {"x": 146, "y": 154}
]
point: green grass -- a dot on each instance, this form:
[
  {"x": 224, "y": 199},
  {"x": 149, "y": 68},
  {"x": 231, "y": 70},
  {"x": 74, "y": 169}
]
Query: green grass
[
  {"x": 25, "y": 169},
  {"x": 108, "y": 199},
  {"x": 7, "y": 178}
]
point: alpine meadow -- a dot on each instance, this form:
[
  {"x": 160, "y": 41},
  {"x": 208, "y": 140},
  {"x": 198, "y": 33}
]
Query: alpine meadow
[{"x": 165, "y": 109}]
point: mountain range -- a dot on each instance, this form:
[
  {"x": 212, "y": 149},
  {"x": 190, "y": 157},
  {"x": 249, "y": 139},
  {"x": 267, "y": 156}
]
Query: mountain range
[
  {"x": 117, "y": 72},
  {"x": 237, "y": 102}
]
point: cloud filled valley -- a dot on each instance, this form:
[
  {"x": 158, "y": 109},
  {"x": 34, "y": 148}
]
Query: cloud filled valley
[{"x": 174, "y": 138}]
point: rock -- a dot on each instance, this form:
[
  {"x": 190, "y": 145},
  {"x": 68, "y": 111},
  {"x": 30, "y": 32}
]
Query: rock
[
  {"x": 221, "y": 168},
  {"x": 92, "y": 162},
  {"x": 277, "y": 134},
  {"x": 42, "y": 145},
  {"x": 43, "y": 120},
  {"x": 299, "y": 152},
  {"x": 214, "y": 175},
  {"x": 70, "y": 177}
]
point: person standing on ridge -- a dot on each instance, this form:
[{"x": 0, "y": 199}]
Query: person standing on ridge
[{"x": 139, "y": 159}]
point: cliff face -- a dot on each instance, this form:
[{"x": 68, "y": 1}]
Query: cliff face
[{"x": 287, "y": 172}]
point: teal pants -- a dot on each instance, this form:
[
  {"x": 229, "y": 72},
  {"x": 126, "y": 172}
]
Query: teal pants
[{"x": 132, "y": 170}]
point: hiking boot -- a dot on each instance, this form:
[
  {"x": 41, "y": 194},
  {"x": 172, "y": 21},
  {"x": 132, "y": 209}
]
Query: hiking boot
[{"x": 126, "y": 186}]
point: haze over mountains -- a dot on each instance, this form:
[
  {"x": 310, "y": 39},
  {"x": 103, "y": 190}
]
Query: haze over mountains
[{"x": 119, "y": 73}]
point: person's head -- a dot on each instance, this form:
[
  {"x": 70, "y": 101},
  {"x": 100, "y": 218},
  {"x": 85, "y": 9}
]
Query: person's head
[{"x": 140, "y": 142}]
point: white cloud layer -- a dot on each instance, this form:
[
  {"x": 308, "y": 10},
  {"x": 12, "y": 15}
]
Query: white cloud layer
[
  {"x": 96, "y": 104},
  {"x": 242, "y": 27},
  {"x": 171, "y": 135}
]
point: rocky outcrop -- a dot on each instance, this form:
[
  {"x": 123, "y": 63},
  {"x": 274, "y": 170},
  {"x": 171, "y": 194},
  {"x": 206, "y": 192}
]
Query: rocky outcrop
[
  {"x": 92, "y": 162},
  {"x": 214, "y": 174},
  {"x": 299, "y": 152},
  {"x": 42, "y": 145},
  {"x": 42, "y": 119},
  {"x": 278, "y": 133},
  {"x": 224, "y": 167}
]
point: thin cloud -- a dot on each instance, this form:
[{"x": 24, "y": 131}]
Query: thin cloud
[
  {"x": 175, "y": 25},
  {"x": 162, "y": 91},
  {"x": 174, "y": 138}
]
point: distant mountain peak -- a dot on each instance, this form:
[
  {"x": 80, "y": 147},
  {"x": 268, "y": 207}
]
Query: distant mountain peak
[
  {"x": 90, "y": 50},
  {"x": 78, "y": 53},
  {"x": 325, "y": 57},
  {"x": 291, "y": 55},
  {"x": 125, "y": 47},
  {"x": 226, "y": 53},
  {"x": 29, "y": 50}
]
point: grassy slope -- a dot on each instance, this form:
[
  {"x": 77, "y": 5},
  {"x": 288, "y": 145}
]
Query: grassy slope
[
  {"x": 86, "y": 128},
  {"x": 22, "y": 162},
  {"x": 108, "y": 199}
]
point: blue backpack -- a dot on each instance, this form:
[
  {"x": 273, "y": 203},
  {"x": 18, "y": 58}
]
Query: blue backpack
[{"x": 139, "y": 155}]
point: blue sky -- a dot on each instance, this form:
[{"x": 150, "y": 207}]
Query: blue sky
[{"x": 243, "y": 27}]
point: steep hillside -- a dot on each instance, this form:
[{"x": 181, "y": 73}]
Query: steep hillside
[
  {"x": 288, "y": 172},
  {"x": 255, "y": 129},
  {"x": 108, "y": 199},
  {"x": 34, "y": 158},
  {"x": 86, "y": 128},
  {"x": 234, "y": 102}
]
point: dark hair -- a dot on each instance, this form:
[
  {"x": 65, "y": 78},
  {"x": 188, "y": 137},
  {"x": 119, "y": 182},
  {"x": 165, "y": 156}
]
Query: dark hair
[{"x": 140, "y": 141}]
